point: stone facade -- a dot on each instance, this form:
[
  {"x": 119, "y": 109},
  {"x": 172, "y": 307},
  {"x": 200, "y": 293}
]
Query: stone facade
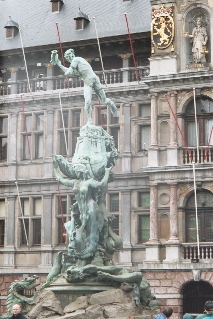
[{"x": 152, "y": 196}]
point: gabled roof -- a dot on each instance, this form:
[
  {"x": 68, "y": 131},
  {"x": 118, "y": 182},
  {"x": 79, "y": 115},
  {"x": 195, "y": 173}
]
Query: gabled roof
[{"x": 37, "y": 22}]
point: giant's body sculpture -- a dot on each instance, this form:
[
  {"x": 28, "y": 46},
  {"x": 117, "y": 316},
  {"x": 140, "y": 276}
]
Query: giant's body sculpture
[{"x": 92, "y": 242}]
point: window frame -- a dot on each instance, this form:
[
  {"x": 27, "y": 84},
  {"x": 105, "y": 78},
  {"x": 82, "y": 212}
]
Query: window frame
[
  {"x": 115, "y": 213},
  {"x": 28, "y": 221},
  {"x": 71, "y": 131},
  {"x": 109, "y": 124},
  {"x": 140, "y": 239},
  {"x": 30, "y": 135},
  {"x": 4, "y": 135},
  {"x": 62, "y": 239}
]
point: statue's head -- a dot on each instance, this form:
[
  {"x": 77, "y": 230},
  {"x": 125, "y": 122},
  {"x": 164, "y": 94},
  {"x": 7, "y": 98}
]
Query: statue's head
[
  {"x": 69, "y": 55},
  {"x": 199, "y": 21},
  {"x": 81, "y": 171}
]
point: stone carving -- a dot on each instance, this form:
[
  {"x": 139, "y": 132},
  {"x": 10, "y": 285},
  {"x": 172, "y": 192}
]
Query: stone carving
[
  {"x": 199, "y": 39},
  {"x": 117, "y": 275},
  {"x": 162, "y": 27},
  {"x": 79, "y": 66}
]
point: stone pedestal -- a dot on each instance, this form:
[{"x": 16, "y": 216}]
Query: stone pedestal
[
  {"x": 125, "y": 257},
  {"x": 172, "y": 156},
  {"x": 172, "y": 252},
  {"x": 152, "y": 252},
  {"x": 153, "y": 157}
]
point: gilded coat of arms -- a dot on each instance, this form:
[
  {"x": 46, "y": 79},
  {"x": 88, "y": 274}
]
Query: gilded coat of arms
[{"x": 162, "y": 27}]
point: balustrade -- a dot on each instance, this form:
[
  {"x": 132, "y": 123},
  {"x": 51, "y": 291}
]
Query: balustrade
[
  {"x": 190, "y": 251},
  {"x": 61, "y": 82},
  {"x": 204, "y": 155}
]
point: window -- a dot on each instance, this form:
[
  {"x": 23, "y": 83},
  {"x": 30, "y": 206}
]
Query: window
[
  {"x": 205, "y": 217},
  {"x": 143, "y": 199},
  {"x": 114, "y": 210},
  {"x": 204, "y": 111},
  {"x": 2, "y": 221},
  {"x": 9, "y": 32},
  {"x": 33, "y": 135},
  {"x": 144, "y": 228},
  {"x": 30, "y": 221},
  {"x": 3, "y": 138},
  {"x": 69, "y": 128},
  {"x": 109, "y": 122},
  {"x": 144, "y": 137},
  {"x": 56, "y": 5},
  {"x": 63, "y": 215},
  {"x": 79, "y": 24}
]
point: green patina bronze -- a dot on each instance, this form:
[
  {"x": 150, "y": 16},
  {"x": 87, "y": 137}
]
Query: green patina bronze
[
  {"x": 79, "y": 66},
  {"x": 23, "y": 293},
  {"x": 92, "y": 242}
]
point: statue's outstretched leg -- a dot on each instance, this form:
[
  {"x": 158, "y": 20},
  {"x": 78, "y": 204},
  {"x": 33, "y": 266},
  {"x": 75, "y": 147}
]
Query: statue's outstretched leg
[
  {"x": 88, "y": 103},
  {"x": 102, "y": 96}
]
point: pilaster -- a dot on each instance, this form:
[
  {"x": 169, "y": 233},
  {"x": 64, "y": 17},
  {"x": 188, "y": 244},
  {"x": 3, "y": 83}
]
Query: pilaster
[
  {"x": 152, "y": 246},
  {"x": 125, "y": 255},
  {"x": 153, "y": 150}
]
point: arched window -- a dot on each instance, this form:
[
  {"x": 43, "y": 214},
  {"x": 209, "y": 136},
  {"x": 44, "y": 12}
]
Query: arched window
[
  {"x": 205, "y": 217},
  {"x": 195, "y": 294},
  {"x": 204, "y": 111}
]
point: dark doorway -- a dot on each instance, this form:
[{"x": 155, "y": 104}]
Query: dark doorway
[{"x": 195, "y": 294}]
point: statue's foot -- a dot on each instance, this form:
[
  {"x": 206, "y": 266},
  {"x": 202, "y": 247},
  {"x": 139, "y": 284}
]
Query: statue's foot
[{"x": 112, "y": 106}]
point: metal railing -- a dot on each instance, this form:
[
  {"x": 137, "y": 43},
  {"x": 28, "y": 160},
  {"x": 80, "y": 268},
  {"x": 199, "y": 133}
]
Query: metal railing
[
  {"x": 61, "y": 82},
  {"x": 204, "y": 155},
  {"x": 190, "y": 251}
]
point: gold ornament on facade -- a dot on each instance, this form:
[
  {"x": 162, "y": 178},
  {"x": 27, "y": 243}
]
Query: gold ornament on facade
[{"x": 162, "y": 27}]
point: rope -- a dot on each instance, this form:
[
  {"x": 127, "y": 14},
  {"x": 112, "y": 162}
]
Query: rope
[
  {"x": 25, "y": 62},
  {"x": 62, "y": 54},
  {"x": 196, "y": 214},
  {"x": 196, "y": 128},
  {"x": 62, "y": 117},
  {"x": 25, "y": 125},
  {"x": 132, "y": 50},
  {"x": 59, "y": 39},
  {"x": 100, "y": 112},
  {"x": 25, "y": 232},
  {"x": 182, "y": 136},
  {"x": 99, "y": 48}
]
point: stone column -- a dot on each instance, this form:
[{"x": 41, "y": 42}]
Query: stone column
[
  {"x": 153, "y": 150},
  {"x": 48, "y": 166},
  {"x": 172, "y": 245},
  {"x": 10, "y": 231},
  {"x": 49, "y": 75},
  {"x": 173, "y": 213},
  {"x": 152, "y": 246},
  {"x": 126, "y": 155},
  {"x": 46, "y": 254},
  {"x": 125, "y": 67},
  {"x": 125, "y": 255},
  {"x": 14, "y": 79},
  {"x": 172, "y": 153},
  {"x": 153, "y": 214}
]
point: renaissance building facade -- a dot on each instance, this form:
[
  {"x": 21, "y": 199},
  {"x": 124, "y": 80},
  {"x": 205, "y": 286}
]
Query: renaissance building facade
[{"x": 154, "y": 59}]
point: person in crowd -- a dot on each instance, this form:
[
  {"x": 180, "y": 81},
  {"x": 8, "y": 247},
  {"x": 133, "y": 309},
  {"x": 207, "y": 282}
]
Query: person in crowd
[
  {"x": 166, "y": 313},
  {"x": 17, "y": 313}
]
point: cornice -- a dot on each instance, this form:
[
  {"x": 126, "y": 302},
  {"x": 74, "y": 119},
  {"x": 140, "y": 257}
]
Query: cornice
[{"x": 179, "y": 81}]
